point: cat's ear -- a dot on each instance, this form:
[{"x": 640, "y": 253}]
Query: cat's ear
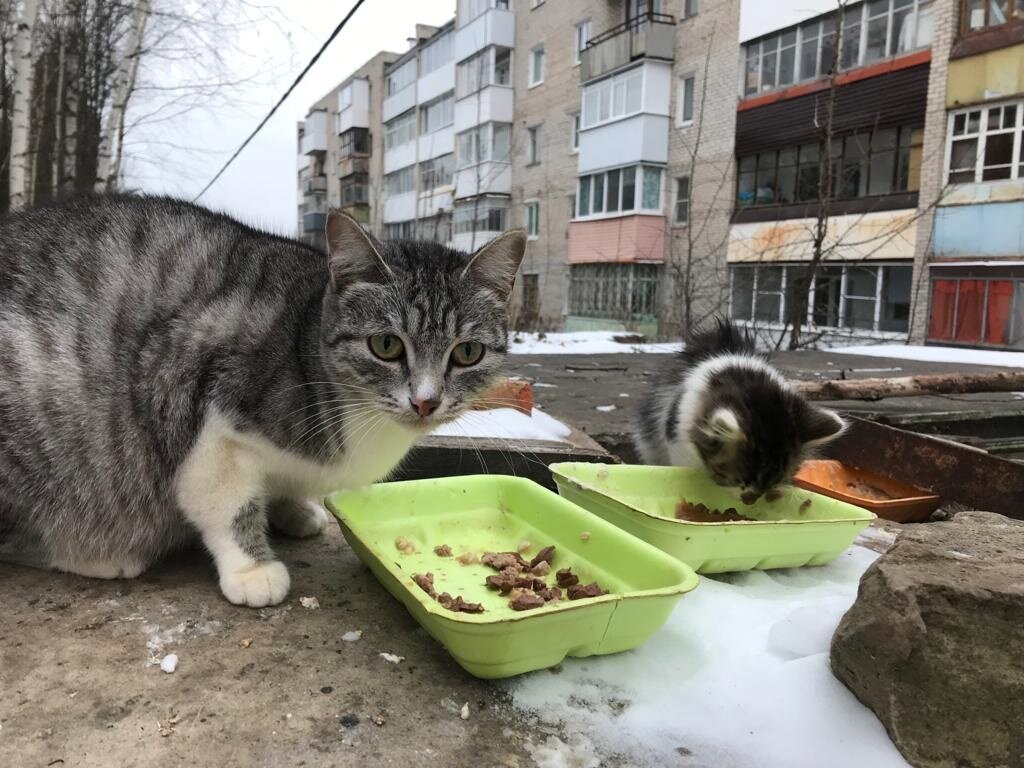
[
  {"x": 353, "y": 255},
  {"x": 817, "y": 426},
  {"x": 495, "y": 264}
]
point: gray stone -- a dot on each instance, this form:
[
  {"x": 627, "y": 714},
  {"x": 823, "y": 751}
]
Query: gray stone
[{"x": 934, "y": 643}]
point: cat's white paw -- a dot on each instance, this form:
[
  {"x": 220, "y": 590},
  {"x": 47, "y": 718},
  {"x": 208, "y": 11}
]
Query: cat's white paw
[
  {"x": 300, "y": 519},
  {"x": 257, "y": 586},
  {"x": 100, "y": 569}
]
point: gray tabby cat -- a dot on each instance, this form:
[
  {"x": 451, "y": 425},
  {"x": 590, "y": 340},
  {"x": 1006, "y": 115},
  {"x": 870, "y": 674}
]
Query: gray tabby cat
[{"x": 166, "y": 371}]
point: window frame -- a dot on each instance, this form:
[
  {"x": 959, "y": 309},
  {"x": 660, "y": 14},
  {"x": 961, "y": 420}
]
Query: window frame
[
  {"x": 490, "y": 129},
  {"x": 689, "y": 9},
  {"x": 596, "y": 288},
  {"x": 575, "y": 124},
  {"x": 957, "y": 276},
  {"x": 685, "y": 220},
  {"x": 407, "y": 120},
  {"x": 580, "y": 44},
  {"x": 611, "y": 81},
  {"x": 1016, "y": 165},
  {"x": 687, "y": 87},
  {"x": 532, "y": 208},
  {"x": 1014, "y": 14},
  {"x": 425, "y": 109},
  {"x": 390, "y": 79},
  {"x": 434, "y": 168},
  {"x": 532, "y": 79},
  {"x": 638, "y": 192},
  {"x": 409, "y": 172},
  {"x": 534, "y": 147}
]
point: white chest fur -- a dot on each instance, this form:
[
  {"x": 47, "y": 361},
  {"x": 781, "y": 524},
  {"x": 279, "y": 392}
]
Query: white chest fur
[{"x": 370, "y": 455}]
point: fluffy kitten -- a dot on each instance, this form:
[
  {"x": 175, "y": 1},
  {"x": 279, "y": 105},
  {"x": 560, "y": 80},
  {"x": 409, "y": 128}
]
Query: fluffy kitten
[
  {"x": 720, "y": 406},
  {"x": 166, "y": 371}
]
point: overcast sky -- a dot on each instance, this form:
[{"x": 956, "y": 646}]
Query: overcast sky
[{"x": 260, "y": 185}]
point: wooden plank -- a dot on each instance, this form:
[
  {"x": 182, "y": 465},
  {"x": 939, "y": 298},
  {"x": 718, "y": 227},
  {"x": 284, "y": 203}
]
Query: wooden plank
[
  {"x": 456, "y": 456},
  {"x": 911, "y": 386},
  {"x": 958, "y": 473}
]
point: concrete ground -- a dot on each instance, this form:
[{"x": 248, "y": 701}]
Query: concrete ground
[{"x": 77, "y": 688}]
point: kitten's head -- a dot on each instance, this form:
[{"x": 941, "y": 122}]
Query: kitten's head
[
  {"x": 752, "y": 431},
  {"x": 415, "y": 330}
]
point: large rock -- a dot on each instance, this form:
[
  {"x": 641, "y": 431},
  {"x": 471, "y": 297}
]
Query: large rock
[{"x": 934, "y": 644}]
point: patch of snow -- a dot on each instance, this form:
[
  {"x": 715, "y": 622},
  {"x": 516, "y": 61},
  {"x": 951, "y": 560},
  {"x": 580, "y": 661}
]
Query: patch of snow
[
  {"x": 555, "y": 753},
  {"x": 506, "y": 424},
  {"x": 605, "y": 408},
  {"x": 310, "y": 603},
  {"x": 169, "y": 663},
  {"x": 353, "y": 636},
  {"x": 580, "y": 343},
  {"x": 930, "y": 354},
  {"x": 392, "y": 658},
  {"x": 738, "y": 677},
  {"x": 623, "y": 394},
  {"x": 542, "y": 385}
]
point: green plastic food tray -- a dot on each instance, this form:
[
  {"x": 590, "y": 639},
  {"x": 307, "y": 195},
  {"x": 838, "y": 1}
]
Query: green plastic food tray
[
  {"x": 642, "y": 501},
  {"x": 494, "y": 513}
]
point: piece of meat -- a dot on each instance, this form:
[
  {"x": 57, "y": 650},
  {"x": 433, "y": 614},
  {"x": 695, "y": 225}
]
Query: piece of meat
[
  {"x": 550, "y": 594},
  {"x": 580, "y": 591},
  {"x": 404, "y": 546},
  {"x": 542, "y": 569},
  {"x": 468, "y": 558},
  {"x": 504, "y": 582},
  {"x": 425, "y": 581},
  {"x": 499, "y": 561},
  {"x": 526, "y": 601},
  {"x": 443, "y": 550},
  {"x": 805, "y": 506},
  {"x": 546, "y": 555},
  {"x": 458, "y": 605},
  {"x": 566, "y": 578}
]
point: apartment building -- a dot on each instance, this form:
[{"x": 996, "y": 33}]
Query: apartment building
[
  {"x": 853, "y": 83},
  {"x": 341, "y": 152},
  {"x": 973, "y": 267}
]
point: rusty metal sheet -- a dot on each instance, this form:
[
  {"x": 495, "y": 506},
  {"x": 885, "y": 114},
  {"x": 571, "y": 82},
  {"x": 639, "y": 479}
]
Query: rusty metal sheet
[{"x": 957, "y": 473}]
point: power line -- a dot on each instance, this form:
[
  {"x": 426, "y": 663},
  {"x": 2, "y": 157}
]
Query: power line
[{"x": 281, "y": 101}]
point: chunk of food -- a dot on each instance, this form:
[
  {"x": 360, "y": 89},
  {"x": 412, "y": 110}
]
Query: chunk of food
[
  {"x": 700, "y": 513},
  {"x": 499, "y": 561},
  {"x": 805, "y": 506},
  {"x": 584, "y": 535},
  {"x": 467, "y": 558},
  {"x": 504, "y": 582},
  {"x": 458, "y": 605},
  {"x": 566, "y": 578},
  {"x": 581, "y": 591},
  {"x": 443, "y": 550},
  {"x": 524, "y": 545},
  {"x": 404, "y": 546},
  {"x": 425, "y": 581},
  {"x": 542, "y": 569},
  {"x": 550, "y": 594},
  {"x": 868, "y": 491},
  {"x": 525, "y": 601},
  {"x": 546, "y": 555}
]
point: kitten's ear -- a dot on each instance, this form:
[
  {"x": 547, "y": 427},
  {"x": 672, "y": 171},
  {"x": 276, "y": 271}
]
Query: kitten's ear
[
  {"x": 353, "y": 256},
  {"x": 724, "y": 425},
  {"x": 495, "y": 264},
  {"x": 817, "y": 426}
]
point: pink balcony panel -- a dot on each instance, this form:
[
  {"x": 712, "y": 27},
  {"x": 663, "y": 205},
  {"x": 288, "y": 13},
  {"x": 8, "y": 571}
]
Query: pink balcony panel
[{"x": 622, "y": 239}]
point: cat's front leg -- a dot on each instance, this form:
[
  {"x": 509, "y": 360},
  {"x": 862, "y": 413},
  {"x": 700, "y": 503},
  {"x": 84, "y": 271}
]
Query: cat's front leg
[
  {"x": 220, "y": 491},
  {"x": 297, "y": 518}
]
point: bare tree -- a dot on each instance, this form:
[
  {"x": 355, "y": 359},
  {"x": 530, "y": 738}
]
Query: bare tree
[{"x": 21, "y": 98}]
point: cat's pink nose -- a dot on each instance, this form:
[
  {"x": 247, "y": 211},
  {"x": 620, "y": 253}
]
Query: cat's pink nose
[{"x": 424, "y": 406}]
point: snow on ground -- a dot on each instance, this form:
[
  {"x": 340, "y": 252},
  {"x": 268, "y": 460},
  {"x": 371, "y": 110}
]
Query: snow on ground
[
  {"x": 932, "y": 354},
  {"x": 579, "y": 343},
  {"x": 738, "y": 678},
  {"x": 506, "y": 424}
]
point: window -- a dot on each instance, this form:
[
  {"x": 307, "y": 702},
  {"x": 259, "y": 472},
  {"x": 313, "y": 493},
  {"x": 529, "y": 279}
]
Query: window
[
  {"x": 355, "y": 141},
  {"x": 402, "y": 77},
  {"x": 985, "y": 144},
  {"x": 859, "y": 297},
  {"x": 401, "y": 230},
  {"x": 489, "y": 67},
  {"x": 686, "y": 88},
  {"x": 354, "y": 190},
  {"x": 467, "y": 10},
  {"x": 976, "y": 15},
  {"x": 582, "y": 37},
  {"x": 612, "y": 98},
  {"x": 533, "y": 219},
  {"x": 885, "y": 161},
  {"x": 438, "y": 114},
  {"x": 871, "y": 31},
  {"x": 345, "y": 99},
  {"x": 485, "y": 214},
  {"x": 536, "y": 3},
  {"x": 400, "y": 182},
  {"x": 438, "y": 172},
  {"x": 485, "y": 142},
  {"x": 575, "y": 139},
  {"x": 437, "y": 53},
  {"x": 633, "y": 188},
  {"x": 624, "y": 292},
  {"x": 537, "y": 66},
  {"x": 531, "y": 296},
  {"x": 682, "y": 208},
  {"x": 401, "y": 130},
  {"x": 533, "y": 149},
  {"x": 690, "y": 8}
]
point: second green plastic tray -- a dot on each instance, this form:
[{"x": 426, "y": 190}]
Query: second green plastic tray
[
  {"x": 496, "y": 513},
  {"x": 785, "y": 533}
]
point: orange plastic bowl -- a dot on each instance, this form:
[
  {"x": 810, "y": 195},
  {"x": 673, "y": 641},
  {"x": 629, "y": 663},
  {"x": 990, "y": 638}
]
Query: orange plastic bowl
[{"x": 888, "y": 498}]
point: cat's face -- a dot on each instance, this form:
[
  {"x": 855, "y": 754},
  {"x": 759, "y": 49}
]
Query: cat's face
[
  {"x": 413, "y": 331},
  {"x": 753, "y": 433}
]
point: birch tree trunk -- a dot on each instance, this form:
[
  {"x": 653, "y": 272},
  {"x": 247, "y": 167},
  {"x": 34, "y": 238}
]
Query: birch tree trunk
[
  {"x": 109, "y": 166},
  {"x": 21, "y": 99}
]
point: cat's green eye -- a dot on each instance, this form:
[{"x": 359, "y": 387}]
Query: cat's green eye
[
  {"x": 467, "y": 353},
  {"x": 387, "y": 346}
]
